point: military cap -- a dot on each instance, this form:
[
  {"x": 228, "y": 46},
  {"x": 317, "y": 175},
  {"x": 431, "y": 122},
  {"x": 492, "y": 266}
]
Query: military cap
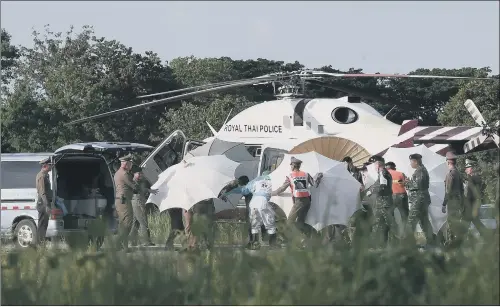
[
  {"x": 45, "y": 161},
  {"x": 450, "y": 155},
  {"x": 376, "y": 159},
  {"x": 469, "y": 163},
  {"x": 127, "y": 158},
  {"x": 415, "y": 156},
  {"x": 294, "y": 160}
]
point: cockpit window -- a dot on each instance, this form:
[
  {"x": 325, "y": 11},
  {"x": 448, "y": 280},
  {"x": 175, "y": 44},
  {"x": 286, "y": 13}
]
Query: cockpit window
[{"x": 344, "y": 115}]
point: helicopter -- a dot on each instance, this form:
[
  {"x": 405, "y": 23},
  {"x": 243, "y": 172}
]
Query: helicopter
[{"x": 293, "y": 123}]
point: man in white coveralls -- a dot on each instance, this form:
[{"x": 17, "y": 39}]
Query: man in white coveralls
[{"x": 261, "y": 212}]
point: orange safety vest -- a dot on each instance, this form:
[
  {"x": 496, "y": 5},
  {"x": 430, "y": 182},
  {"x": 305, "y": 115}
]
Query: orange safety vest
[
  {"x": 398, "y": 182},
  {"x": 298, "y": 184}
]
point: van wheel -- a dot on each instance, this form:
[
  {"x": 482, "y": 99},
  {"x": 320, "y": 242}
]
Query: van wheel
[{"x": 25, "y": 234}]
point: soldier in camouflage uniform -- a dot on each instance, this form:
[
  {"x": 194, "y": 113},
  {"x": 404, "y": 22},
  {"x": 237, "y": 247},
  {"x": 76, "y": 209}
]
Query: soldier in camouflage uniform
[
  {"x": 453, "y": 202},
  {"x": 472, "y": 193},
  {"x": 382, "y": 210},
  {"x": 140, "y": 224},
  {"x": 419, "y": 200}
]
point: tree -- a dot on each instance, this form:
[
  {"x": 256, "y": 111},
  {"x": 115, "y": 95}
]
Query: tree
[
  {"x": 485, "y": 95},
  {"x": 79, "y": 75},
  {"x": 10, "y": 54}
]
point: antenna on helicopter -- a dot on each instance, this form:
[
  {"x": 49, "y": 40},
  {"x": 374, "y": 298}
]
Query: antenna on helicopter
[{"x": 385, "y": 116}]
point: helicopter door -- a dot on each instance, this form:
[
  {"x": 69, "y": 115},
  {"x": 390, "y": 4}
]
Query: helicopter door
[
  {"x": 192, "y": 144},
  {"x": 168, "y": 153},
  {"x": 271, "y": 158}
]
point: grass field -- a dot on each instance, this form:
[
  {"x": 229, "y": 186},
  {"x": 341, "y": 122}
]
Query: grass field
[{"x": 315, "y": 276}]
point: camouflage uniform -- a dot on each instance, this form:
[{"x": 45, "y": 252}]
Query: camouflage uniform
[
  {"x": 419, "y": 200},
  {"x": 472, "y": 202},
  {"x": 140, "y": 224},
  {"x": 383, "y": 207},
  {"x": 453, "y": 200}
]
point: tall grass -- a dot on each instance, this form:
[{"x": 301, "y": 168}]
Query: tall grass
[{"x": 318, "y": 275}]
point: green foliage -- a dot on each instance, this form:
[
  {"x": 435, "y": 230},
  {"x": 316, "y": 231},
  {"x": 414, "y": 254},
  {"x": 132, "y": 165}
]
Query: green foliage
[
  {"x": 10, "y": 54},
  {"x": 318, "y": 276}
]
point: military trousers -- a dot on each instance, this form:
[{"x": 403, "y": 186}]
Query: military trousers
[
  {"x": 176, "y": 226},
  {"x": 383, "y": 224},
  {"x": 125, "y": 221},
  {"x": 43, "y": 223},
  {"x": 140, "y": 224},
  {"x": 457, "y": 226},
  {"x": 419, "y": 213},
  {"x": 299, "y": 212},
  {"x": 400, "y": 201},
  {"x": 473, "y": 217}
]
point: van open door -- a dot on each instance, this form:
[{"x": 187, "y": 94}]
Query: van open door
[
  {"x": 168, "y": 153},
  {"x": 192, "y": 144}
]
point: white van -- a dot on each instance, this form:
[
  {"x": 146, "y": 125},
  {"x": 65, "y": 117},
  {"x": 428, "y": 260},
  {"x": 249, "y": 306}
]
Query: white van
[
  {"x": 18, "y": 199},
  {"x": 82, "y": 178}
]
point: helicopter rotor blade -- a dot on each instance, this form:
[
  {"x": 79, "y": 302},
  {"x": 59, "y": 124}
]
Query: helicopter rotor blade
[
  {"x": 192, "y": 88},
  {"x": 173, "y": 98},
  {"x": 339, "y": 75}
]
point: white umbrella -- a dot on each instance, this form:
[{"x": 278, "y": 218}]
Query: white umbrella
[
  {"x": 437, "y": 169},
  {"x": 232, "y": 150},
  {"x": 335, "y": 199},
  {"x": 198, "y": 179}
]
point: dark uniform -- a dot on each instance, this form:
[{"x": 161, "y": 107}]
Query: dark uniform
[
  {"x": 362, "y": 219},
  {"x": 124, "y": 189},
  {"x": 382, "y": 210},
  {"x": 420, "y": 200},
  {"x": 44, "y": 200},
  {"x": 472, "y": 200},
  {"x": 453, "y": 201},
  {"x": 140, "y": 224}
]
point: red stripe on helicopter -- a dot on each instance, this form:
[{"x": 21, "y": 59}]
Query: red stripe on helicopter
[{"x": 18, "y": 208}]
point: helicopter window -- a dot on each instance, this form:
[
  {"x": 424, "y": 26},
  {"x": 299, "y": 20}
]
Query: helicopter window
[
  {"x": 344, "y": 115},
  {"x": 320, "y": 129}
]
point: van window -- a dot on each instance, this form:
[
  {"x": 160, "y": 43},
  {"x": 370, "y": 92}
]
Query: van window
[{"x": 19, "y": 174}]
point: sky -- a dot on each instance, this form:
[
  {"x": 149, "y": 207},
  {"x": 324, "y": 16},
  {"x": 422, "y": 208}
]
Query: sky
[{"x": 386, "y": 37}]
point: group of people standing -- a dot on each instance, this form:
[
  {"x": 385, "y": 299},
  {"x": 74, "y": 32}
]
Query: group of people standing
[
  {"x": 391, "y": 190},
  {"x": 394, "y": 190}
]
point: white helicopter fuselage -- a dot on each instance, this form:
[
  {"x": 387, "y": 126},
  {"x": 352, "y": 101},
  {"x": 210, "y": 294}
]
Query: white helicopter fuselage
[{"x": 299, "y": 120}]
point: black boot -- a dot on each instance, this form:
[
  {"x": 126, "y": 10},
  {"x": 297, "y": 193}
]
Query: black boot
[
  {"x": 251, "y": 241},
  {"x": 272, "y": 241}
]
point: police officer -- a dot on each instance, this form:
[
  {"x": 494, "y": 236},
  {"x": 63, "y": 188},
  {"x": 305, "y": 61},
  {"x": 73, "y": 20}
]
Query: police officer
[
  {"x": 453, "y": 201},
  {"x": 140, "y": 224},
  {"x": 125, "y": 187},
  {"x": 420, "y": 199},
  {"x": 299, "y": 183},
  {"x": 44, "y": 199},
  {"x": 382, "y": 210},
  {"x": 399, "y": 195},
  {"x": 472, "y": 193}
]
